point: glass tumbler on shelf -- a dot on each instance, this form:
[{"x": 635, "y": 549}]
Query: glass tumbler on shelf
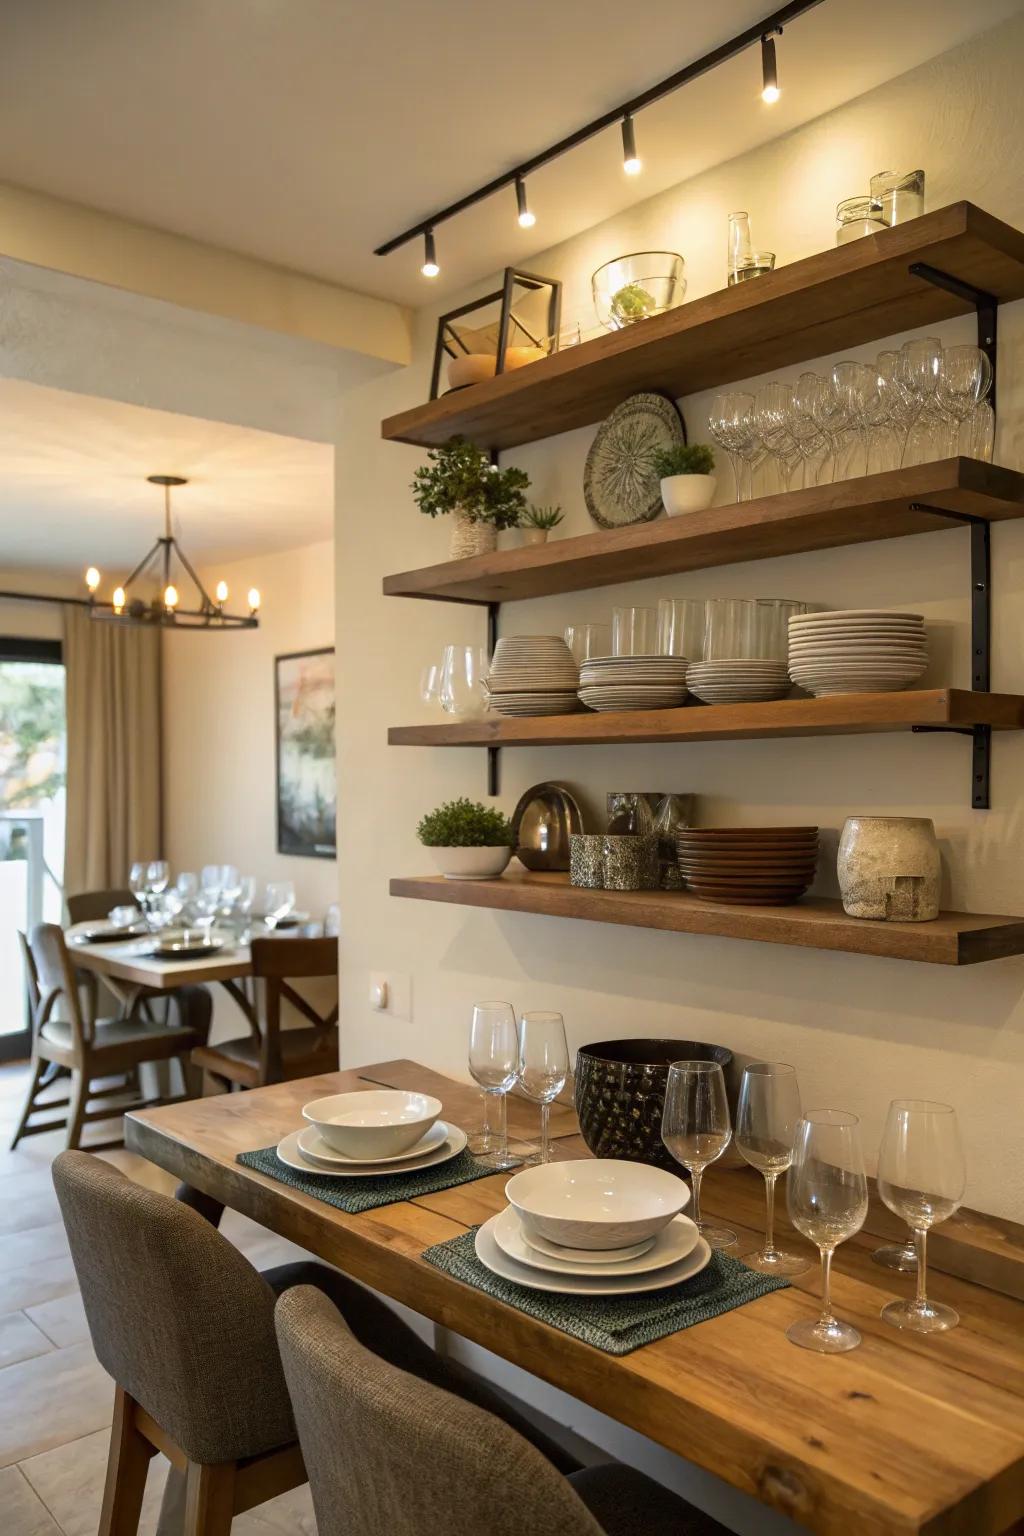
[
  {"x": 464, "y": 672},
  {"x": 730, "y": 628},
  {"x": 494, "y": 1065},
  {"x": 681, "y": 627},
  {"x": 827, "y": 1194},
  {"x": 634, "y": 632},
  {"x": 856, "y": 217},
  {"x": 921, "y": 1177},
  {"x": 586, "y": 640},
  {"x": 696, "y": 1129},
  {"x": 899, "y": 195},
  {"x": 543, "y": 1066},
  {"x": 767, "y": 1116},
  {"x": 771, "y": 626}
]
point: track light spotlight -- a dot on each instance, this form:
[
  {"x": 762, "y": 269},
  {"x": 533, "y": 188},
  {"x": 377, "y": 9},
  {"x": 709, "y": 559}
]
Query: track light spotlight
[
  {"x": 769, "y": 70},
  {"x": 631, "y": 162},
  {"x": 526, "y": 219},
  {"x": 430, "y": 267}
]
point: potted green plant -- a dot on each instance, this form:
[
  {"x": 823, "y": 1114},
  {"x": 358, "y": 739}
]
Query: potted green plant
[
  {"x": 467, "y": 840},
  {"x": 460, "y": 479},
  {"x": 687, "y": 484},
  {"x": 537, "y": 523}
]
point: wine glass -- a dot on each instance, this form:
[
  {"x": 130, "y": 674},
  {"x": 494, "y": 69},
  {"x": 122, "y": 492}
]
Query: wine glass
[
  {"x": 158, "y": 873},
  {"x": 766, "y": 1120},
  {"x": 921, "y": 370},
  {"x": 494, "y": 1064},
  {"x": 827, "y": 1191},
  {"x": 727, "y": 424},
  {"x": 696, "y": 1129},
  {"x": 856, "y": 387},
  {"x": 921, "y": 1177},
  {"x": 981, "y": 431},
  {"x": 230, "y": 887},
  {"x": 543, "y": 1066},
  {"x": 278, "y": 902},
  {"x": 773, "y": 406},
  {"x": 463, "y": 675},
  {"x": 965, "y": 380}
]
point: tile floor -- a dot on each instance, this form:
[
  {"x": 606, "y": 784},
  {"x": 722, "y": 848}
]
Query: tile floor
[{"x": 55, "y": 1398}]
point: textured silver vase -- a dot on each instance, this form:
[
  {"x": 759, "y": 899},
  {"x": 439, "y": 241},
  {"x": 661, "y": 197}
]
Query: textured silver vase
[{"x": 889, "y": 868}]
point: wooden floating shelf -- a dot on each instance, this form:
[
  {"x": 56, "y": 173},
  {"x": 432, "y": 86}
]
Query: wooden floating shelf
[
  {"x": 954, "y": 938},
  {"x": 825, "y": 303},
  {"x": 837, "y": 715},
  {"x": 819, "y": 517}
]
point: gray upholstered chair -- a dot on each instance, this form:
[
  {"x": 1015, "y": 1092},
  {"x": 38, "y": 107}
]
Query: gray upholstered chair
[
  {"x": 386, "y": 1452},
  {"x": 89, "y": 1048},
  {"x": 185, "y": 1326}
]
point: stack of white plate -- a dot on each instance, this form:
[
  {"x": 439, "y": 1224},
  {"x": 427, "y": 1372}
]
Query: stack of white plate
[
  {"x": 857, "y": 650},
  {"x": 596, "y": 1227},
  {"x": 741, "y": 681},
  {"x": 533, "y": 675},
  {"x": 633, "y": 682},
  {"x": 371, "y": 1134}
]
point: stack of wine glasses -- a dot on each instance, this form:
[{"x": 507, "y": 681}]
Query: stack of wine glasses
[{"x": 911, "y": 406}]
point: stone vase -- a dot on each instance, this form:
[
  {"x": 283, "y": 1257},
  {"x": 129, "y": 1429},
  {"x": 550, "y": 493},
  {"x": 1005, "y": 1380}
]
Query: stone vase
[
  {"x": 889, "y": 868},
  {"x": 470, "y": 538}
]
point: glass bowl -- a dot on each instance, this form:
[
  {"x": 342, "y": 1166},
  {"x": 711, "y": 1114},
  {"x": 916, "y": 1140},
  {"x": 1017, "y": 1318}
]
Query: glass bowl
[{"x": 633, "y": 288}]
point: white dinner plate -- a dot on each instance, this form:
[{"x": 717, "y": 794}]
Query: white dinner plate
[
  {"x": 313, "y": 1145},
  {"x": 492, "y": 1258},
  {"x": 288, "y": 1152},
  {"x": 584, "y": 1255},
  {"x": 671, "y": 1244}
]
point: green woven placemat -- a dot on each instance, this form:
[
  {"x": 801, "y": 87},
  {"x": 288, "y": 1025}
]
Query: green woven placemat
[
  {"x": 355, "y": 1195},
  {"x": 616, "y": 1324}
]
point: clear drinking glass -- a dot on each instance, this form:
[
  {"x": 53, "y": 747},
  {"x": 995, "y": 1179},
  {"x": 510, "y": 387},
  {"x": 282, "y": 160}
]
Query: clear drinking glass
[
  {"x": 730, "y": 424},
  {"x": 137, "y": 883},
  {"x": 543, "y": 1066},
  {"x": 158, "y": 873},
  {"x": 278, "y": 901},
  {"x": 634, "y": 632},
  {"x": 982, "y": 432},
  {"x": 463, "y": 676},
  {"x": 965, "y": 380},
  {"x": 494, "y": 1064},
  {"x": 898, "y": 194},
  {"x": 773, "y": 409},
  {"x": 696, "y": 1129},
  {"x": 856, "y": 387},
  {"x": 771, "y": 626},
  {"x": 921, "y": 370},
  {"x": 681, "y": 623},
  {"x": 730, "y": 627},
  {"x": 767, "y": 1116},
  {"x": 430, "y": 685},
  {"x": 921, "y": 1177},
  {"x": 827, "y": 1193},
  {"x": 230, "y": 886},
  {"x": 586, "y": 640}
]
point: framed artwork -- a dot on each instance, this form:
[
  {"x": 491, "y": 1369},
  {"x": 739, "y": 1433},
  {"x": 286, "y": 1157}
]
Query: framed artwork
[{"x": 306, "y": 788}]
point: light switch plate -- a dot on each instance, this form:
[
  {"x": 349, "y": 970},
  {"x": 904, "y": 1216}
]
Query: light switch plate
[{"x": 399, "y": 994}]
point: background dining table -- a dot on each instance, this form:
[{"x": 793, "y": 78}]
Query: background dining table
[
  {"x": 129, "y": 968},
  {"x": 905, "y": 1435}
]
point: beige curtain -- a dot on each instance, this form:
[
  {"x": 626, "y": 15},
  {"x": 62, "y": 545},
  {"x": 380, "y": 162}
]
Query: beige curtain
[{"x": 114, "y": 750}]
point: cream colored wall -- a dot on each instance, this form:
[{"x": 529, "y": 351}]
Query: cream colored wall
[
  {"x": 219, "y": 785},
  {"x": 860, "y": 1030},
  {"x": 35, "y": 621}
]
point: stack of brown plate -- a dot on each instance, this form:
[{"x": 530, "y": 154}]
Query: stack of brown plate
[{"x": 752, "y": 866}]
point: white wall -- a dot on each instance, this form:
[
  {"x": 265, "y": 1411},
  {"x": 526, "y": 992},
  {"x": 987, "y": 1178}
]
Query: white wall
[{"x": 860, "y": 1030}]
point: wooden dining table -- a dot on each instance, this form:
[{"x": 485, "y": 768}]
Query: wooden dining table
[
  {"x": 906, "y": 1434},
  {"x": 129, "y": 969}
]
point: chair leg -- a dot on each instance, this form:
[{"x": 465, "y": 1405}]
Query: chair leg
[
  {"x": 38, "y": 1068},
  {"x": 79, "y": 1098},
  {"x": 209, "y": 1499},
  {"x": 127, "y": 1467}
]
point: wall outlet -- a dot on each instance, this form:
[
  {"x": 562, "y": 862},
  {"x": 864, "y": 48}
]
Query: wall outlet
[{"x": 391, "y": 994}]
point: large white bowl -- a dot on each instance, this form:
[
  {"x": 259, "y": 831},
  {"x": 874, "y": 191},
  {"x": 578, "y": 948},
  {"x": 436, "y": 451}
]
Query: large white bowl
[
  {"x": 472, "y": 863},
  {"x": 375, "y": 1123},
  {"x": 597, "y": 1202}
]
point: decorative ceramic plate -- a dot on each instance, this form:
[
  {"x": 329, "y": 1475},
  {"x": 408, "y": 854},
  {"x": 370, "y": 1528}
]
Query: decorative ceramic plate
[{"x": 620, "y": 483}]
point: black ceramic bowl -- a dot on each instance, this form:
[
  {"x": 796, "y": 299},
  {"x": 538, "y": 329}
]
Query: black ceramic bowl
[{"x": 620, "y": 1094}]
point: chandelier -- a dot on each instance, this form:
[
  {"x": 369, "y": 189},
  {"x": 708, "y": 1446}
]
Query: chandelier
[{"x": 161, "y": 565}]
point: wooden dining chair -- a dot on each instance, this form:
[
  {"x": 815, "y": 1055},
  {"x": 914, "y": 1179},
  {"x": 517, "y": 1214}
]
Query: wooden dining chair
[
  {"x": 91, "y": 1049},
  {"x": 93, "y": 906},
  {"x": 271, "y": 1053},
  {"x": 387, "y": 1451}
]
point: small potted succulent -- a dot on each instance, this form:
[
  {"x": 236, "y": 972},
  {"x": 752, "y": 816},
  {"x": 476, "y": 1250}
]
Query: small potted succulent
[
  {"x": 687, "y": 484},
  {"x": 483, "y": 499},
  {"x": 467, "y": 840},
  {"x": 537, "y": 523}
]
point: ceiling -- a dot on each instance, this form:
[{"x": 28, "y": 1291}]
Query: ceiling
[
  {"x": 306, "y": 134},
  {"x": 73, "y": 492}
]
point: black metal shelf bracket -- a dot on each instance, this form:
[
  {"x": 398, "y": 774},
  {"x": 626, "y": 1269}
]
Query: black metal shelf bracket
[
  {"x": 493, "y": 753},
  {"x": 981, "y": 631}
]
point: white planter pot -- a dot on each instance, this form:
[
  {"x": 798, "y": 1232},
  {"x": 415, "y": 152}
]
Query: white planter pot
[
  {"x": 535, "y": 535},
  {"x": 687, "y": 493},
  {"x": 471, "y": 863},
  {"x": 889, "y": 868},
  {"x": 469, "y": 538}
]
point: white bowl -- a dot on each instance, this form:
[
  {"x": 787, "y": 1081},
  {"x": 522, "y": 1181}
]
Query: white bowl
[
  {"x": 597, "y": 1202},
  {"x": 471, "y": 863},
  {"x": 376, "y": 1123}
]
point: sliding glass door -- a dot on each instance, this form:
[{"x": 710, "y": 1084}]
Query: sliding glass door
[{"x": 32, "y": 778}]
